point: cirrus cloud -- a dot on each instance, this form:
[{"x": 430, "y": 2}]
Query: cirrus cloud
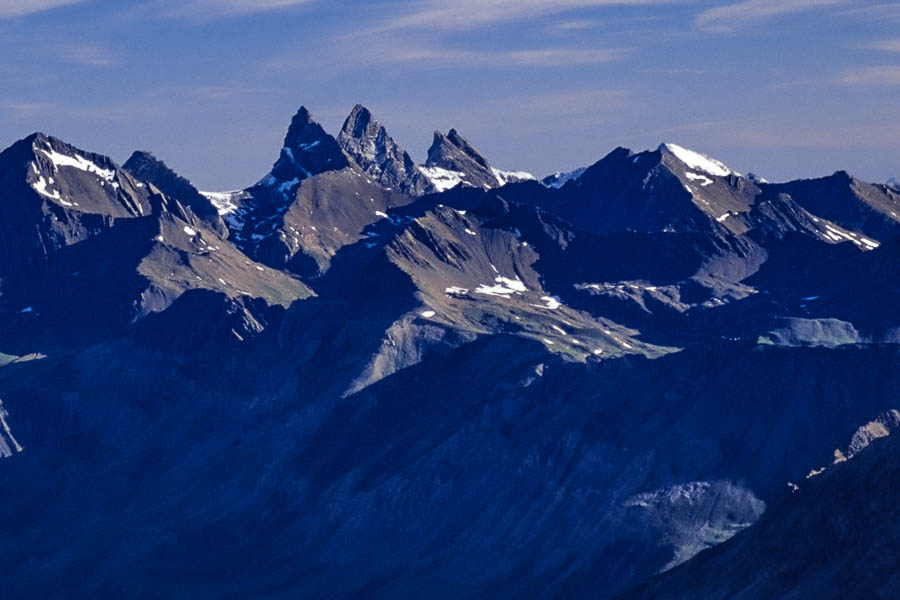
[
  {"x": 463, "y": 14},
  {"x": 20, "y": 8},
  {"x": 209, "y": 10},
  {"x": 730, "y": 17},
  {"x": 879, "y": 76},
  {"x": 883, "y": 45}
]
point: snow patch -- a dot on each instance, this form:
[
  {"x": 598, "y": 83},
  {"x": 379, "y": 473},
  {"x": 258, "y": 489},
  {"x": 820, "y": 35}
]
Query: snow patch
[
  {"x": 442, "y": 179},
  {"x": 838, "y": 235},
  {"x": 225, "y": 202},
  {"x": 504, "y": 177},
  {"x": 558, "y": 180},
  {"x": 504, "y": 287},
  {"x": 40, "y": 186},
  {"x": 190, "y": 231},
  {"x": 514, "y": 284},
  {"x": 698, "y": 161},
  {"x": 78, "y": 162},
  {"x": 703, "y": 179},
  {"x": 552, "y": 302}
]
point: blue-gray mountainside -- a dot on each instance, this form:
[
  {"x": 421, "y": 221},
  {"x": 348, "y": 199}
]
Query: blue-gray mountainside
[{"x": 362, "y": 377}]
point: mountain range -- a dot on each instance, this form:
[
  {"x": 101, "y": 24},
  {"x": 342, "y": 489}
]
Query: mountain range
[{"x": 362, "y": 377}]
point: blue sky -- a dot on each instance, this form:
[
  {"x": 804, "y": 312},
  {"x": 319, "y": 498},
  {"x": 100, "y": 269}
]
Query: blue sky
[{"x": 784, "y": 88}]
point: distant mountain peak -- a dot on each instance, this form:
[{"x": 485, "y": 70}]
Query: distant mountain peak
[
  {"x": 452, "y": 148},
  {"x": 308, "y": 150},
  {"x": 559, "y": 179},
  {"x": 54, "y": 166},
  {"x": 144, "y": 166},
  {"x": 358, "y": 121},
  {"x": 843, "y": 175},
  {"x": 368, "y": 143},
  {"x": 452, "y": 160},
  {"x": 696, "y": 160},
  {"x": 60, "y": 153}
]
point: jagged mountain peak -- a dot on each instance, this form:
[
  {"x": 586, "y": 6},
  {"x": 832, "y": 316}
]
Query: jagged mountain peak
[
  {"x": 308, "y": 150},
  {"x": 144, "y": 166},
  {"x": 55, "y": 153},
  {"x": 447, "y": 148},
  {"x": 453, "y": 161},
  {"x": 359, "y": 121},
  {"x": 579, "y": 339},
  {"x": 55, "y": 195},
  {"x": 76, "y": 179},
  {"x": 367, "y": 141}
]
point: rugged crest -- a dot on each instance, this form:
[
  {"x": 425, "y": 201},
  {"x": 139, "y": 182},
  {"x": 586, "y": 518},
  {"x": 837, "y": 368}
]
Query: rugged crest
[
  {"x": 504, "y": 389},
  {"x": 367, "y": 141}
]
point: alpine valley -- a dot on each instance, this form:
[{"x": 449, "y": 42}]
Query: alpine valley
[{"x": 362, "y": 377}]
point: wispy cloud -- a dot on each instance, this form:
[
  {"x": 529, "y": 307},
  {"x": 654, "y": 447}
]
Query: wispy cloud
[
  {"x": 88, "y": 55},
  {"x": 876, "y": 12},
  {"x": 686, "y": 127},
  {"x": 577, "y": 25},
  {"x": 209, "y": 10},
  {"x": 883, "y": 45},
  {"x": 733, "y": 16},
  {"x": 463, "y": 14},
  {"x": 25, "y": 109},
  {"x": 430, "y": 57},
  {"x": 801, "y": 136},
  {"x": 883, "y": 76},
  {"x": 19, "y": 8},
  {"x": 677, "y": 71},
  {"x": 568, "y": 103},
  {"x": 487, "y": 122},
  {"x": 430, "y": 52}
]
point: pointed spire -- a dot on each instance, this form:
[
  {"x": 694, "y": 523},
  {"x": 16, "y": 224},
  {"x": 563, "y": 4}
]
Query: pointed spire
[
  {"x": 454, "y": 153},
  {"x": 376, "y": 153},
  {"x": 308, "y": 150}
]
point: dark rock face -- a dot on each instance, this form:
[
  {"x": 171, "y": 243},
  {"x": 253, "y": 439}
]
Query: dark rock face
[
  {"x": 866, "y": 208},
  {"x": 331, "y": 384},
  {"x": 146, "y": 167},
  {"x": 307, "y": 151},
  {"x": 367, "y": 141},
  {"x": 55, "y": 195},
  {"x": 454, "y": 154}
]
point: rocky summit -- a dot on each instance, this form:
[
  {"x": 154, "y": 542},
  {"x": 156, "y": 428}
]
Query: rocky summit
[{"x": 363, "y": 377}]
